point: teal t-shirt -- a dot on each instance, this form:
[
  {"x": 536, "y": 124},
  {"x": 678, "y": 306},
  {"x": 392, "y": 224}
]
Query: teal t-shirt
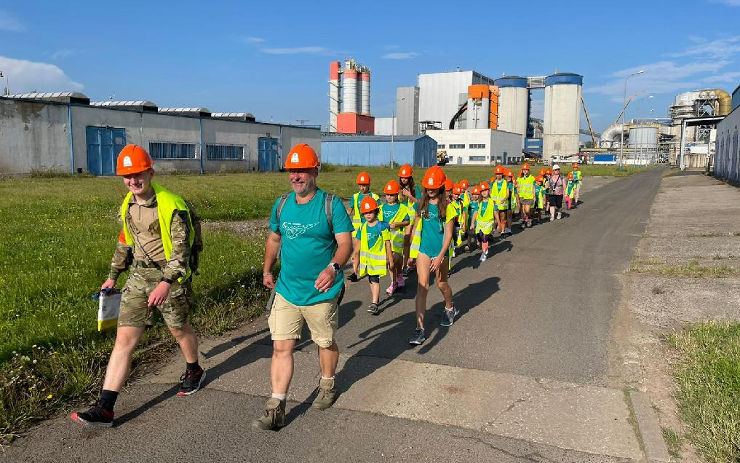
[
  {"x": 307, "y": 247},
  {"x": 373, "y": 233},
  {"x": 433, "y": 230},
  {"x": 390, "y": 211},
  {"x": 474, "y": 205}
]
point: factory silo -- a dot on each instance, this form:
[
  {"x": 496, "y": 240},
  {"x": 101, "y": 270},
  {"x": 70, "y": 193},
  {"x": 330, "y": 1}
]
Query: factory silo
[
  {"x": 350, "y": 91},
  {"x": 365, "y": 92},
  {"x": 513, "y": 104},
  {"x": 643, "y": 136},
  {"x": 562, "y": 115}
]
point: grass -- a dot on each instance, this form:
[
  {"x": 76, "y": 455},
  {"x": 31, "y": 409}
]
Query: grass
[
  {"x": 708, "y": 378},
  {"x": 691, "y": 270},
  {"x": 673, "y": 442},
  {"x": 58, "y": 234}
]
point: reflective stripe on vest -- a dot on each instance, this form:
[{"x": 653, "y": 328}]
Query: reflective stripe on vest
[
  {"x": 526, "y": 187},
  {"x": 499, "y": 195},
  {"x": 416, "y": 240},
  {"x": 372, "y": 259},
  {"x": 167, "y": 204}
]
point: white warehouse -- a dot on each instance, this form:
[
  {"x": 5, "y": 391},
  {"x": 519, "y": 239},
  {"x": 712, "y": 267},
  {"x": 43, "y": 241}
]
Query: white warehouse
[{"x": 478, "y": 146}]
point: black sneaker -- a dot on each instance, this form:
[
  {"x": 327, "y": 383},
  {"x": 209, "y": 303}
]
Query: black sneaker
[
  {"x": 448, "y": 317},
  {"x": 373, "y": 309},
  {"x": 96, "y": 416},
  {"x": 418, "y": 337},
  {"x": 191, "y": 381},
  {"x": 352, "y": 277}
]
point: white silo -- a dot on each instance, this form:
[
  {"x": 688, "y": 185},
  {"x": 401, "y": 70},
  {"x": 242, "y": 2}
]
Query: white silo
[
  {"x": 350, "y": 93},
  {"x": 334, "y": 97},
  {"x": 513, "y": 104},
  {"x": 562, "y": 115},
  {"x": 365, "y": 92}
]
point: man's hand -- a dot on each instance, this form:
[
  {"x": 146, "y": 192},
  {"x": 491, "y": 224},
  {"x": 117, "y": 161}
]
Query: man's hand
[
  {"x": 268, "y": 280},
  {"x": 159, "y": 295},
  {"x": 325, "y": 280},
  {"x": 109, "y": 284}
]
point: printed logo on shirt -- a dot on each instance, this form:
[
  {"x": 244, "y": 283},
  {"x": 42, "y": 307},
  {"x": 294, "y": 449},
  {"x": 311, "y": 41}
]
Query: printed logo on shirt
[{"x": 294, "y": 230}]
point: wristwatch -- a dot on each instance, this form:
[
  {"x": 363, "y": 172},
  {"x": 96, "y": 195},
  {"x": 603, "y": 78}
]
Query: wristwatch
[{"x": 335, "y": 266}]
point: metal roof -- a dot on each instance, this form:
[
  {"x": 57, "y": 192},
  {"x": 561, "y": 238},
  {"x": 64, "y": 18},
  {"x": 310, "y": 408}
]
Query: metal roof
[
  {"x": 234, "y": 116},
  {"x": 370, "y": 138},
  {"x": 61, "y": 97},
  {"x": 141, "y": 105},
  {"x": 185, "y": 111}
]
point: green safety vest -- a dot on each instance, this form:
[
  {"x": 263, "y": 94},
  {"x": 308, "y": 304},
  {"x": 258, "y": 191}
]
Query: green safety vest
[
  {"x": 167, "y": 204},
  {"x": 372, "y": 259},
  {"x": 525, "y": 186},
  {"x": 357, "y": 218}
]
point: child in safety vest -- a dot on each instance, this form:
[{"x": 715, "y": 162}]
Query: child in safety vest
[
  {"x": 373, "y": 239},
  {"x": 410, "y": 194},
  {"x": 461, "y": 219},
  {"x": 513, "y": 200},
  {"x": 539, "y": 197},
  {"x": 483, "y": 220},
  {"x": 363, "y": 186},
  {"x": 570, "y": 191},
  {"x": 474, "y": 203},
  {"x": 500, "y": 195},
  {"x": 578, "y": 180},
  {"x": 396, "y": 215}
]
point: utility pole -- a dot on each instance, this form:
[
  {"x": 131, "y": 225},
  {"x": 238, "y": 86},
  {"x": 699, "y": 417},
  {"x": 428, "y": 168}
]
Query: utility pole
[{"x": 624, "y": 112}]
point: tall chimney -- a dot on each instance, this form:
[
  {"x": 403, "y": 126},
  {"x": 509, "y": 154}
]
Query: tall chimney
[{"x": 334, "y": 95}]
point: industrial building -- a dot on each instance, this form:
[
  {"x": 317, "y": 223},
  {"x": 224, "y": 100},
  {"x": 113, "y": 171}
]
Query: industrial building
[
  {"x": 349, "y": 98},
  {"x": 66, "y": 132},
  {"x": 378, "y": 150},
  {"x": 727, "y": 156},
  {"x": 478, "y": 146}
]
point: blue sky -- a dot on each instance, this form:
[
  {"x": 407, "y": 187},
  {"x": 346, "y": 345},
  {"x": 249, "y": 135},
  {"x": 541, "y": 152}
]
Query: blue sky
[{"x": 272, "y": 58}]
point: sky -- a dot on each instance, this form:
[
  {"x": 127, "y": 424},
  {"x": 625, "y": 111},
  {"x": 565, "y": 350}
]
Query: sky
[{"x": 272, "y": 58}]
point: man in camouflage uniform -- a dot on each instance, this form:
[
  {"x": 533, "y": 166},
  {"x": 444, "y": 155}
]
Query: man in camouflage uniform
[{"x": 158, "y": 231}]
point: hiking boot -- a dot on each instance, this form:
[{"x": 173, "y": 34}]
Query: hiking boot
[
  {"x": 373, "y": 309},
  {"x": 96, "y": 416},
  {"x": 417, "y": 338},
  {"x": 274, "y": 416},
  {"x": 191, "y": 382},
  {"x": 448, "y": 317},
  {"x": 327, "y": 394},
  {"x": 352, "y": 277}
]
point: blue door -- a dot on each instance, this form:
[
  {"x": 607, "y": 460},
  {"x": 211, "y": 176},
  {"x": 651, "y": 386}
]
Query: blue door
[
  {"x": 103, "y": 146},
  {"x": 267, "y": 154}
]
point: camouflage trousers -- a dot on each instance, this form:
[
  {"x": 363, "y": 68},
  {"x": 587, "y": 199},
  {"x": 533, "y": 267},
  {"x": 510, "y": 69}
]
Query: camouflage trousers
[{"x": 135, "y": 310}]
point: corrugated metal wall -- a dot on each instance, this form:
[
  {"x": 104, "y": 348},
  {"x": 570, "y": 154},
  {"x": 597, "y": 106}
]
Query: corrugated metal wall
[
  {"x": 727, "y": 152},
  {"x": 421, "y": 152}
]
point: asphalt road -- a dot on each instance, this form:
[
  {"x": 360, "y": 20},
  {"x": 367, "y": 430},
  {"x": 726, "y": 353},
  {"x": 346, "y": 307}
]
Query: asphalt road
[{"x": 541, "y": 308}]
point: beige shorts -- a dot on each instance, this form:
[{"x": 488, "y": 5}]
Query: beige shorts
[{"x": 286, "y": 320}]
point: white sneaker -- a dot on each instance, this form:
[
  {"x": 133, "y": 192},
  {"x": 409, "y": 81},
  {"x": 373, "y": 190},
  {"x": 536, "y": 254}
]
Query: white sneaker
[
  {"x": 560, "y": 215},
  {"x": 483, "y": 257}
]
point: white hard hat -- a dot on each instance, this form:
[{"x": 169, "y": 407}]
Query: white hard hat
[{"x": 555, "y": 167}]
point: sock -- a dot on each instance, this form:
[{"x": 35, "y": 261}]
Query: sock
[
  {"x": 279, "y": 396},
  {"x": 108, "y": 399},
  {"x": 192, "y": 367},
  {"x": 485, "y": 247}
]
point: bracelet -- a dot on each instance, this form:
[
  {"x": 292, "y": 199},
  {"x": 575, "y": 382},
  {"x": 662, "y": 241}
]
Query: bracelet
[{"x": 166, "y": 280}]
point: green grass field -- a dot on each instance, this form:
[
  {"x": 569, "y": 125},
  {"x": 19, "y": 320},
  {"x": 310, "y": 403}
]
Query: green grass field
[{"x": 58, "y": 235}]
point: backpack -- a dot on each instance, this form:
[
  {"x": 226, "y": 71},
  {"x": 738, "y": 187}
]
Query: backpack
[
  {"x": 328, "y": 200},
  {"x": 197, "y": 247}
]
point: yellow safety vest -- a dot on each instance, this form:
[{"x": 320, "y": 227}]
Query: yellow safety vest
[
  {"x": 372, "y": 259},
  {"x": 485, "y": 221},
  {"x": 526, "y": 187},
  {"x": 357, "y": 218},
  {"x": 500, "y": 195},
  {"x": 578, "y": 175},
  {"x": 167, "y": 204},
  {"x": 397, "y": 233},
  {"x": 416, "y": 238}
]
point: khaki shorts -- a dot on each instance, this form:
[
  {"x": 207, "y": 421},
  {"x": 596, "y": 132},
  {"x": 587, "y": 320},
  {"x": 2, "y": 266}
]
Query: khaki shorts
[
  {"x": 286, "y": 320},
  {"x": 135, "y": 294}
]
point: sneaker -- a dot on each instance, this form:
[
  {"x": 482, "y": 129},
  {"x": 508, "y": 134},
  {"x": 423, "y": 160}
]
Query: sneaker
[
  {"x": 401, "y": 282},
  {"x": 191, "y": 381},
  {"x": 391, "y": 288},
  {"x": 327, "y": 394},
  {"x": 274, "y": 416},
  {"x": 96, "y": 416},
  {"x": 373, "y": 309},
  {"x": 483, "y": 257},
  {"x": 417, "y": 338},
  {"x": 560, "y": 215},
  {"x": 448, "y": 317},
  {"x": 352, "y": 277},
  {"x": 508, "y": 230}
]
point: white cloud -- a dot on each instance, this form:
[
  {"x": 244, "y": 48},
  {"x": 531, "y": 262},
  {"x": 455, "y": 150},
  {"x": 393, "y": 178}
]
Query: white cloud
[
  {"x": 9, "y": 23},
  {"x": 25, "y": 76},
  {"x": 296, "y": 51},
  {"x": 401, "y": 55},
  {"x": 64, "y": 53},
  {"x": 391, "y": 47},
  {"x": 731, "y": 77},
  {"x": 254, "y": 39},
  {"x": 723, "y": 48}
]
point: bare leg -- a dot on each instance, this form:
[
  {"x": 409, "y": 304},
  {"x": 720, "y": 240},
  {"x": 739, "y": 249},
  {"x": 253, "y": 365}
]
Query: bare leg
[
  {"x": 119, "y": 365},
  {"x": 188, "y": 342},
  {"x": 281, "y": 368},
  {"x": 423, "y": 263},
  {"x": 328, "y": 359},
  {"x": 375, "y": 292},
  {"x": 442, "y": 283}
]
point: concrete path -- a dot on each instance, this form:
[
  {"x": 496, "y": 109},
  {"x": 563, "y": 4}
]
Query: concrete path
[{"x": 522, "y": 375}]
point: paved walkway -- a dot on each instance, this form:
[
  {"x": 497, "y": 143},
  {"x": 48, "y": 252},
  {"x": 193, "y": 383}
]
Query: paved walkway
[{"x": 522, "y": 375}]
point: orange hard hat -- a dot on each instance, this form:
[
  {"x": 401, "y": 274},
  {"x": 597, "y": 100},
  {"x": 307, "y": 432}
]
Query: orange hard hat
[
  {"x": 457, "y": 189},
  {"x": 570, "y": 175},
  {"x": 484, "y": 186},
  {"x": 132, "y": 160},
  {"x": 406, "y": 171},
  {"x": 525, "y": 166},
  {"x": 301, "y": 156},
  {"x": 543, "y": 171},
  {"x": 509, "y": 173},
  {"x": 499, "y": 170},
  {"x": 363, "y": 178},
  {"x": 368, "y": 204},
  {"x": 392, "y": 187},
  {"x": 448, "y": 184},
  {"x": 434, "y": 178},
  {"x": 464, "y": 184},
  {"x": 539, "y": 178},
  {"x": 575, "y": 165},
  {"x": 475, "y": 190}
]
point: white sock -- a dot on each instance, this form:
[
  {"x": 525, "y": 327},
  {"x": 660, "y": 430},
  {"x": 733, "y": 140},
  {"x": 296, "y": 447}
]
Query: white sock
[
  {"x": 323, "y": 377},
  {"x": 278, "y": 396}
]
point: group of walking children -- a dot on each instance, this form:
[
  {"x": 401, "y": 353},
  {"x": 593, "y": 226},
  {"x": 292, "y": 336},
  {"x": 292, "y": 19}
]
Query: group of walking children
[{"x": 423, "y": 228}]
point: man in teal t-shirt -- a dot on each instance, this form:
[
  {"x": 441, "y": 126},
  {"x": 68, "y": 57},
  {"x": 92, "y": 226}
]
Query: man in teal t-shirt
[{"x": 310, "y": 286}]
